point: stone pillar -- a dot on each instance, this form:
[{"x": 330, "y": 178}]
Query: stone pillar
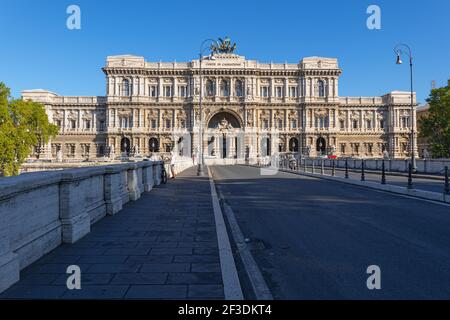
[
  {"x": 133, "y": 184},
  {"x": 113, "y": 197},
  {"x": 75, "y": 220},
  {"x": 9, "y": 262},
  {"x": 147, "y": 171}
]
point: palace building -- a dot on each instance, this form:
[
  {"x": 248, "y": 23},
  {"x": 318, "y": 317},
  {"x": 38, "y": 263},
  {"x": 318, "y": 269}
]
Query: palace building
[{"x": 249, "y": 110}]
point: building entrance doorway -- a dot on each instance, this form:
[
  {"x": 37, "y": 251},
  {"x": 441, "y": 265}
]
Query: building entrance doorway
[
  {"x": 125, "y": 146},
  {"x": 321, "y": 146}
]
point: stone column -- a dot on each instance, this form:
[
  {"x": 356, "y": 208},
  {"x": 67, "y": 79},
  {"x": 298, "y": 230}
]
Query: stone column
[
  {"x": 147, "y": 171},
  {"x": 133, "y": 184}
]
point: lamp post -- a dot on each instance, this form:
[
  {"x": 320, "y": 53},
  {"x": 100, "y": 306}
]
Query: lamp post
[
  {"x": 203, "y": 48},
  {"x": 399, "y": 50}
]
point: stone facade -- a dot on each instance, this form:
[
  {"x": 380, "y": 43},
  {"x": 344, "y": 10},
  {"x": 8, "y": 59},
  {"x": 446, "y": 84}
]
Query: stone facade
[{"x": 250, "y": 109}]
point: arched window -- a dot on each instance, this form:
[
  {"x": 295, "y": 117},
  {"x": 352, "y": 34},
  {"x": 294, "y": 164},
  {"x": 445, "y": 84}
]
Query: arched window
[
  {"x": 239, "y": 88},
  {"x": 209, "y": 88},
  {"x": 153, "y": 145},
  {"x": 126, "y": 87},
  {"x": 321, "y": 88},
  {"x": 224, "y": 88}
]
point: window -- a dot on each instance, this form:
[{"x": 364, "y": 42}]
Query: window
[
  {"x": 73, "y": 124},
  {"x": 369, "y": 148},
  {"x": 404, "y": 122},
  {"x": 342, "y": 148},
  {"x": 168, "y": 123},
  {"x": 293, "y": 92},
  {"x": 382, "y": 124},
  {"x": 239, "y": 88},
  {"x": 279, "y": 92},
  {"x": 153, "y": 91},
  {"x": 369, "y": 124},
  {"x": 355, "y": 124},
  {"x": 126, "y": 122},
  {"x": 293, "y": 124},
  {"x": 224, "y": 88},
  {"x": 72, "y": 150},
  {"x": 182, "y": 90},
  {"x": 167, "y": 91},
  {"x": 102, "y": 125},
  {"x": 126, "y": 88},
  {"x": 265, "y": 91},
  {"x": 279, "y": 123},
  {"x": 342, "y": 124},
  {"x": 321, "y": 88},
  {"x": 209, "y": 88},
  {"x": 153, "y": 123},
  {"x": 265, "y": 124},
  {"x": 87, "y": 124},
  {"x": 58, "y": 123}
]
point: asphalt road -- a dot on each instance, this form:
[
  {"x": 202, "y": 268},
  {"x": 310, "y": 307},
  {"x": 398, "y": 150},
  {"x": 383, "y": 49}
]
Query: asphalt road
[{"x": 314, "y": 239}]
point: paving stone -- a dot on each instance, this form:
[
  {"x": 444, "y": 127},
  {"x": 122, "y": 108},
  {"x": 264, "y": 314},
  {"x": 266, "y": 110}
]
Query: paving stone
[
  {"x": 157, "y": 292},
  {"x": 195, "y": 278},
  {"x": 139, "y": 278},
  {"x": 127, "y": 251},
  {"x": 205, "y": 267},
  {"x": 37, "y": 279},
  {"x": 103, "y": 259},
  {"x": 197, "y": 258},
  {"x": 166, "y": 267},
  {"x": 150, "y": 259},
  {"x": 172, "y": 251},
  {"x": 114, "y": 268},
  {"x": 147, "y": 244},
  {"x": 202, "y": 291},
  {"x": 97, "y": 292},
  {"x": 20, "y": 291},
  {"x": 86, "y": 279}
]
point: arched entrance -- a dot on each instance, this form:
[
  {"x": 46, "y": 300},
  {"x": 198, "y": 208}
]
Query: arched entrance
[
  {"x": 125, "y": 146},
  {"x": 321, "y": 146},
  {"x": 223, "y": 129},
  {"x": 153, "y": 145},
  {"x": 293, "y": 145}
]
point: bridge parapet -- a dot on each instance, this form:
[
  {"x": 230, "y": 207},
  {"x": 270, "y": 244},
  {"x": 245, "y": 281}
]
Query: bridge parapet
[{"x": 39, "y": 211}]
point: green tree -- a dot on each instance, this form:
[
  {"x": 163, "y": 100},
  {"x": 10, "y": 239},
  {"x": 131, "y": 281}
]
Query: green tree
[
  {"x": 436, "y": 126},
  {"x": 23, "y": 125}
]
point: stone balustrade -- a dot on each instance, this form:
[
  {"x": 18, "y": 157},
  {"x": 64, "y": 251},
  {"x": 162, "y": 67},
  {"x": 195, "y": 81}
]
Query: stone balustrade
[{"x": 39, "y": 211}]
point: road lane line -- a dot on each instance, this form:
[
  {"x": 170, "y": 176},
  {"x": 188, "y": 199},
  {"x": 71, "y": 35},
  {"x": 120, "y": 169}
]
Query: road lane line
[
  {"x": 260, "y": 287},
  {"x": 231, "y": 285}
]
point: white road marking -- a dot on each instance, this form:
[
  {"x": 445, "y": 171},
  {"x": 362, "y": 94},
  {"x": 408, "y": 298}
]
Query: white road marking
[
  {"x": 259, "y": 285},
  {"x": 231, "y": 284}
]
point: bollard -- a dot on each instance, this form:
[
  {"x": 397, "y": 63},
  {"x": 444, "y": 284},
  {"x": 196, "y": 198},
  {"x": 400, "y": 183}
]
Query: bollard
[
  {"x": 313, "y": 166},
  {"x": 410, "y": 183},
  {"x": 363, "y": 174},
  {"x": 446, "y": 185},
  {"x": 333, "y": 171},
  {"x": 383, "y": 173},
  {"x": 322, "y": 169},
  {"x": 346, "y": 168}
]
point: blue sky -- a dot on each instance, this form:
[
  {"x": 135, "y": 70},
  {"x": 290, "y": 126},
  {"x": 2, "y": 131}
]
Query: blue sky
[{"x": 38, "y": 51}]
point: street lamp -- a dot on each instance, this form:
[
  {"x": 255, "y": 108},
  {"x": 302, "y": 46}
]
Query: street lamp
[
  {"x": 203, "y": 48},
  {"x": 399, "y": 50}
]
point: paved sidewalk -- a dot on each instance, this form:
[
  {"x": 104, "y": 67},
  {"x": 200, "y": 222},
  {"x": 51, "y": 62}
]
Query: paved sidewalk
[{"x": 163, "y": 246}]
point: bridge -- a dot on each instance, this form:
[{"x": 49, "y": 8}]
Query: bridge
[{"x": 241, "y": 232}]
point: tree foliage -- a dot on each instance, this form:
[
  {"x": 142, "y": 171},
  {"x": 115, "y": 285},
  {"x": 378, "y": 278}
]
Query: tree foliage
[
  {"x": 23, "y": 125},
  {"x": 436, "y": 126}
]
